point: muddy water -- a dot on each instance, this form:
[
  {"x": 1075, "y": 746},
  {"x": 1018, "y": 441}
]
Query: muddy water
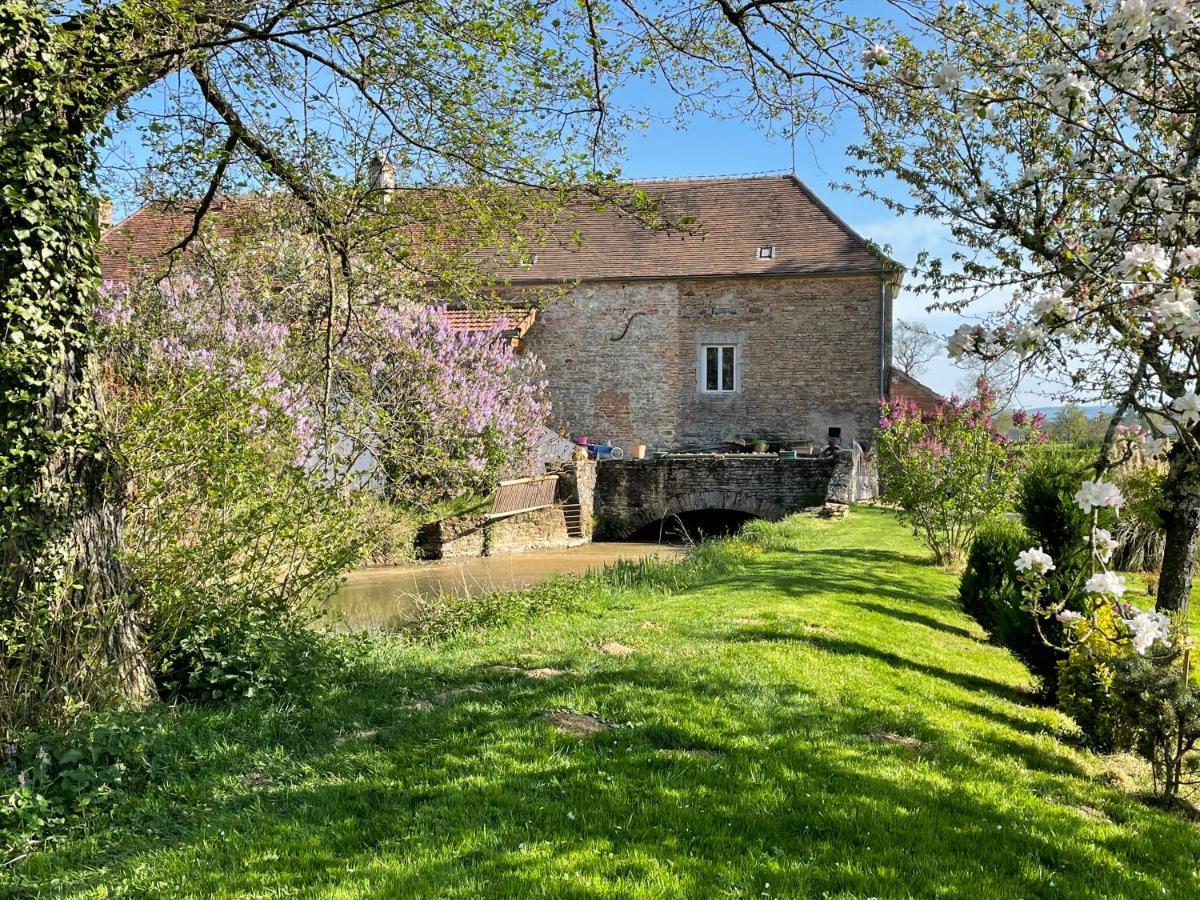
[{"x": 372, "y": 598}]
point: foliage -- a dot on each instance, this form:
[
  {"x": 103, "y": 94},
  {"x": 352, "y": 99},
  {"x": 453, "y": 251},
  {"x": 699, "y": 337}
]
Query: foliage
[
  {"x": 1088, "y": 690},
  {"x": 1046, "y": 504},
  {"x": 1165, "y": 710},
  {"x": 447, "y": 412},
  {"x": 230, "y": 652},
  {"x": 1056, "y": 141},
  {"x": 990, "y": 593},
  {"x": 227, "y": 528},
  {"x": 947, "y": 470},
  {"x": 49, "y": 780},
  {"x": 1139, "y": 532},
  {"x": 756, "y": 703}
]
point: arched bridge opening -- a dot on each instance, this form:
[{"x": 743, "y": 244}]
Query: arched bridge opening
[{"x": 692, "y": 527}]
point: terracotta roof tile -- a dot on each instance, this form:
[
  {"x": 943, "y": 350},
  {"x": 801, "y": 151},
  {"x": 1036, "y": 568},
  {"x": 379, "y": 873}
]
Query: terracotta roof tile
[
  {"x": 905, "y": 387},
  {"x": 734, "y": 218}
]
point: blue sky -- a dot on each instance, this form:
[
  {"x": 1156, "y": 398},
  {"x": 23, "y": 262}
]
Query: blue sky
[{"x": 734, "y": 147}]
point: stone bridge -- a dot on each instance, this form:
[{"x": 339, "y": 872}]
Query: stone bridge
[{"x": 632, "y": 494}]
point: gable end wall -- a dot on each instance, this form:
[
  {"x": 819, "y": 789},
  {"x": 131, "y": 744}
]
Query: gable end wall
[{"x": 621, "y": 358}]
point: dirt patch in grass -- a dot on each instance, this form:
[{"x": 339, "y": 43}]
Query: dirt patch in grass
[
  {"x": 578, "y": 724},
  {"x": 539, "y": 673},
  {"x": 615, "y": 648},
  {"x": 891, "y": 737}
]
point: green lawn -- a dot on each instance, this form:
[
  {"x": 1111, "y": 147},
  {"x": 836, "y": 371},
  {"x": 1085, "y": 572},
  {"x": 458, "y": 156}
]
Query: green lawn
[{"x": 821, "y": 721}]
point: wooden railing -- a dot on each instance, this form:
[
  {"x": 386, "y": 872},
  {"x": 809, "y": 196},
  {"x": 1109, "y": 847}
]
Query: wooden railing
[{"x": 523, "y": 495}]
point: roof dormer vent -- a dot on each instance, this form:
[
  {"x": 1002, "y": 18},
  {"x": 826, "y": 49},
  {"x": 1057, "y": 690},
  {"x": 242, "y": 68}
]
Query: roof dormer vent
[{"x": 766, "y": 251}]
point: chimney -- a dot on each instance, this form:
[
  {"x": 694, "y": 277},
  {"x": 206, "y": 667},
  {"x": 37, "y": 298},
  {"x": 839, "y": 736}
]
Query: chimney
[
  {"x": 382, "y": 174},
  {"x": 103, "y": 212}
]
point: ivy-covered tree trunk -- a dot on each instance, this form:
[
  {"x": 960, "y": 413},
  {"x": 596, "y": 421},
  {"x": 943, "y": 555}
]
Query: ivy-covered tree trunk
[
  {"x": 68, "y": 633},
  {"x": 1181, "y": 520}
]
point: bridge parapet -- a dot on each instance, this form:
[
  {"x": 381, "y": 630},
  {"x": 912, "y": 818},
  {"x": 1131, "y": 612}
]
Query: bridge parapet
[{"x": 631, "y": 494}]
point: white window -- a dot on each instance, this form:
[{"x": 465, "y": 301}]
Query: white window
[
  {"x": 766, "y": 251},
  {"x": 719, "y": 362}
]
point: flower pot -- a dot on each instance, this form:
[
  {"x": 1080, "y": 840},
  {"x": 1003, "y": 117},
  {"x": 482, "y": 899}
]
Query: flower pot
[
  {"x": 638, "y": 451},
  {"x": 760, "y": 446}
]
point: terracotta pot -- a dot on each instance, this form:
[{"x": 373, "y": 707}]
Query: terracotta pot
[{"x": 638, "y": 451}]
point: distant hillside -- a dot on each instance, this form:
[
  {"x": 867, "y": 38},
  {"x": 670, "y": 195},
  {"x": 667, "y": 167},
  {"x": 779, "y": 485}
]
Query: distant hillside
[{"x": 1090, "y": 411}]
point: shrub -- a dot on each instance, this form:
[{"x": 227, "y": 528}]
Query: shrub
[
  {"x": 990, "y": 590},
  {"x": 991, "y": 594},
  {"x": 947, "y": 471},
  {"x": 1087, "y": 687},
  {"x": 45, "y": 780},
  {"x": 1164, "y": 708},
  {"x": 228, "y": 652}
]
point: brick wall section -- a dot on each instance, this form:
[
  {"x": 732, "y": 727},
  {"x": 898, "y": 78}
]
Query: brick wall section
[
  {"x": 632, "y": 494},
  {"x": 622, "y": 358}
]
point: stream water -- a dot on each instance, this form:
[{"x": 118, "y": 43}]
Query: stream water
[{"x": 373, "y": 598}]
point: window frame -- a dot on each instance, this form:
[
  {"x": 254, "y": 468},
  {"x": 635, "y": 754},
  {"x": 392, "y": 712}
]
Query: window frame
[{"x": 723, "y": 348}]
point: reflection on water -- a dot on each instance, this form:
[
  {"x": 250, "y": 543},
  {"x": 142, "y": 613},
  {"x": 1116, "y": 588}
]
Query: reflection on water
[{"x": 372, "y": 598}]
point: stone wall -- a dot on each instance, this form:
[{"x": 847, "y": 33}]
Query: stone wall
[
  {"x": 466, "y": 536},
  {"x": 622, "y": 358},
  {"x": 577, "y": 486},
  {"x": 631, "y": 494}
]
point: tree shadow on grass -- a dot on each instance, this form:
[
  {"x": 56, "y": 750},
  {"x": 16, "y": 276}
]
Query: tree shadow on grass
[
  {"x": 917, "y": 619},
  {"x": 843, "y": 647},
  {"x": 479, "y": 796},
  {"x": 840, "y": 571}
]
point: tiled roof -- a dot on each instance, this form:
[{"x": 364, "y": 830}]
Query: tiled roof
[
  {"x": 517, "y": 320},
  {"x": 905, "y": 387},
  {"x": 734, "y": 218},
  {"x": 146, "y": 236}
]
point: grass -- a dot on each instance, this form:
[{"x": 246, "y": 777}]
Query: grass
[{"x": 819, "y": 719}]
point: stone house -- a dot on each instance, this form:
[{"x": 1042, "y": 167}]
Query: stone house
[{"x": 770, "y": 316}]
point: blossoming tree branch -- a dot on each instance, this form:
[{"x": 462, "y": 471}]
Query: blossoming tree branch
[{"x": 1059, "y": 142}]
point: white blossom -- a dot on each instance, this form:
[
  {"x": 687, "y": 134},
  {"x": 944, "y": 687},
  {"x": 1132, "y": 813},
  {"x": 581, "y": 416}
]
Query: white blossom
[
  {"x": 1148, "y": 627},
  {"x": 964, "y": 340},
  {"x": 1187, "y": 407},
  {"x": 1176, "y": 312},
  {"x": 1106, "y": 583},
  {"x": 1069, "y": 617},
  {"x": 1098, "y": 494},
  {"x": 1145, "y": 260},
  {"x": 1103, "y": 543},
  {"x": 876, "y": 55},
  {"x": 1034, "y": 560},
  {"x": 1188, "y": 257},
  {"x": 948, "y": 77}
]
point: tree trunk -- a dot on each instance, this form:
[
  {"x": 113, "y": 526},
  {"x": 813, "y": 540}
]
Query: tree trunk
[
  {"x": 1180, "y": 513},
  {"x": 71, "y": 636}
]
